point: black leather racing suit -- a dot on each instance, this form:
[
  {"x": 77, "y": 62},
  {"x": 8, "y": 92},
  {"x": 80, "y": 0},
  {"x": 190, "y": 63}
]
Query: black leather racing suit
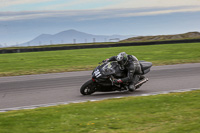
[{"x": 132, "y": 67}]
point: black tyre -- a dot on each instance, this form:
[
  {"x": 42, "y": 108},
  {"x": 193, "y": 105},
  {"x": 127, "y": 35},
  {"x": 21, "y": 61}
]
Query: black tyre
[{"x": 87, "y": 88}]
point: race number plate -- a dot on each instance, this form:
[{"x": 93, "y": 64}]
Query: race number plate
[{"x": 97, "y": 73}]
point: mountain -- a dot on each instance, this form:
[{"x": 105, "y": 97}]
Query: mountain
[
  {"x": 189, "y": 35},
  {"x": 71, "y": 36}
]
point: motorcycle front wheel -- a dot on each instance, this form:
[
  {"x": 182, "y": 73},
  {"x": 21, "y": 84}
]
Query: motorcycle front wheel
[{"x": 87, "y": 88}]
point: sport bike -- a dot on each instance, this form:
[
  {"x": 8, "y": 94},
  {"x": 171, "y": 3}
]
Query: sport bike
[{"x": 104, "y": 75}]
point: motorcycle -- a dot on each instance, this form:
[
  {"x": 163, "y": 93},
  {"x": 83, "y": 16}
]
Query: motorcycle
[{"x": 104, "y": 75}]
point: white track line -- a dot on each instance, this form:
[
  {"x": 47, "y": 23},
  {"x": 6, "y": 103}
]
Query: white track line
[{"x": 98, "y": 99}]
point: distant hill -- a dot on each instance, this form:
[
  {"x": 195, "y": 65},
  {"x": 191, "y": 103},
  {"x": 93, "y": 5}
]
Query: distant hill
[
  {"x": 71, "y": 37},
  {"x": 189, "y": 35}
]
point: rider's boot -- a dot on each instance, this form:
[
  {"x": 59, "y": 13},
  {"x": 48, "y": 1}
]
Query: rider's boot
[
  {"x": 142, "y": 77},
  {"x": 132, "y": 87}
]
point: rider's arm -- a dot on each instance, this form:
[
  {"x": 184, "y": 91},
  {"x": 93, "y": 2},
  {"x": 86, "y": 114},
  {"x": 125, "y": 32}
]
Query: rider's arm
[
  {"x": 134, "y": 58},
  {"x": 113, "y": 58},
  {"x": 130, "y": 74}
]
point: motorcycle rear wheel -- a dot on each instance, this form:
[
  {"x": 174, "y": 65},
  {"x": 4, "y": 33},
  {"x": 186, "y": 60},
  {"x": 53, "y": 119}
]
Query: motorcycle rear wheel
[{"x": 87, "y": 88}]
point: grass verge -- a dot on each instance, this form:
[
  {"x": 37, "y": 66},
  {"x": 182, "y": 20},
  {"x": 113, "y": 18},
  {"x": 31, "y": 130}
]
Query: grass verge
[
  {"x": 169, "y": 113},
  {"x": 87, "y": 59}
]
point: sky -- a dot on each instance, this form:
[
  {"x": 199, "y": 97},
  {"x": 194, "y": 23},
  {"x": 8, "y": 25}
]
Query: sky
[{"x": 23, "y": 20}]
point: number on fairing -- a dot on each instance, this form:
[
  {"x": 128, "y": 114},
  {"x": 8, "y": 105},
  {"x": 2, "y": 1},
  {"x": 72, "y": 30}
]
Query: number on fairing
[{"x": 97, "y": 73}]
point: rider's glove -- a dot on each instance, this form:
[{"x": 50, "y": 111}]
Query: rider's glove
[{"x": 117, "y": 81}]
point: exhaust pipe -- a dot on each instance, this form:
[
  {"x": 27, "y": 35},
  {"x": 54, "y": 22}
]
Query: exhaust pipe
[{"x": 142, "y": 82}]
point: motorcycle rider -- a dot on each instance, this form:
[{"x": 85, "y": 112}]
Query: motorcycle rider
[{"x": 129, "y": 64}]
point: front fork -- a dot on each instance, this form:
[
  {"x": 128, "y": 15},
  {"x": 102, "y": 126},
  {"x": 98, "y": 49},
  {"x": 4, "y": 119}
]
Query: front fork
[{"x": 112, "y": 79}]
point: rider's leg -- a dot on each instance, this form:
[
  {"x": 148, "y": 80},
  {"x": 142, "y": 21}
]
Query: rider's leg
[
  {"x": 133, "y": 82},
  {"x": 131, "y": 87}
]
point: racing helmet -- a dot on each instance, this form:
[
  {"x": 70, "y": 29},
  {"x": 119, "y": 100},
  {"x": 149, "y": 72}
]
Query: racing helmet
[{"x": 122, "y": 58}]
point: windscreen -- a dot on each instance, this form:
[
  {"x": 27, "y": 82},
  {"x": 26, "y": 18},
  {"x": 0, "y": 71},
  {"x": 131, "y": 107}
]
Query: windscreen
[{"x": 108, "y": 69}]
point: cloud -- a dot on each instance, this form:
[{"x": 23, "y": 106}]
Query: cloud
[
  {"x": 118, "y": 4},
  {"x": 7, "y": 3},
  {"x": 82, "y": 15},
  {"x": 166, "y": 11},
  {"x": 80, "y": 4},
  {"x": 152, "y": 3}
]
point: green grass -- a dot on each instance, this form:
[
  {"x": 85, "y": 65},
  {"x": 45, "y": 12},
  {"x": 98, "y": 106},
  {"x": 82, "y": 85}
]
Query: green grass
[
  {"x": 87, "y": 59},
  {"x": 169, "y": 113}
]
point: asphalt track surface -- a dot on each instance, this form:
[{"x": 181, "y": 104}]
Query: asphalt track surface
[{"x": 41, "y": 89}]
